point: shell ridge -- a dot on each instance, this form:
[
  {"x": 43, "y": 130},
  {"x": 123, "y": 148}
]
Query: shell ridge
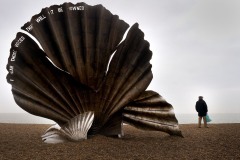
[
  {"x": 106, "y": 89},
  {"x": 89, "y": 121},
  {"x": 85, "y": 41},
  {"x": 57, "y": 110},
  {"x": 57, "y": 29},
  {"x": 101, "y": 41},
  {"x": 111, "y": 76},
  {"x": 22, "y": 75},
  {"x": 129, "y": 80},
  {"x": 150, "y": 118},
  {"x": 74, "y": 42},
  {"x": 42, "y": 75},
  {"x": 148, "y": 95},
  {"x": 23, "y": 93},
  {"x": 58, "y": 91},
  {"x": 75, "y": 131},
  {"x": 39, "y": 111},
  {"x": 125, "y": 97},
  {"x": 119, "y": 58},
  {"x": 101, "y": 53},
  {"x": 72, "y": 91},
  {"x": 42, "y": 32}
]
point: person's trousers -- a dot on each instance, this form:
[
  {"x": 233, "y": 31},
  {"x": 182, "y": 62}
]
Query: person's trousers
[{"x": 200, "y": 120}]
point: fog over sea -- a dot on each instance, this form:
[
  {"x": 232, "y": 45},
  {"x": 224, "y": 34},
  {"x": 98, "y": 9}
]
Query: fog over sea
[{"x": 182, "y": 118}]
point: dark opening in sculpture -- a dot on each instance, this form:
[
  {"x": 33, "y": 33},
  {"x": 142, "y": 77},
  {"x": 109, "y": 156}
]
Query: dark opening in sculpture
[{"x": 84, "y": 78}]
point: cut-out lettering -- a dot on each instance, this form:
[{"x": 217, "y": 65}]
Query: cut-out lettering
[{"x": 14, "y": 54}]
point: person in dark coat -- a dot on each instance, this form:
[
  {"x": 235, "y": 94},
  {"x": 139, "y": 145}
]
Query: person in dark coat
[{"x": 202, "y": 109}]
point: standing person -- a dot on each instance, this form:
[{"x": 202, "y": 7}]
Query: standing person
[{"x": 201, "y": 108}]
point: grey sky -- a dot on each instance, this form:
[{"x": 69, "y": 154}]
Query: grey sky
[{"x": 195, "y": 47}]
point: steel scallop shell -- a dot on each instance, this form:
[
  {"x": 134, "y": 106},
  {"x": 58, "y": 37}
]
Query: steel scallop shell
[{"x": 81, "y": 66}]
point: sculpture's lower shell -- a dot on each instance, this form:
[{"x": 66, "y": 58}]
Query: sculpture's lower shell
[{"x": 75, "y": 130}]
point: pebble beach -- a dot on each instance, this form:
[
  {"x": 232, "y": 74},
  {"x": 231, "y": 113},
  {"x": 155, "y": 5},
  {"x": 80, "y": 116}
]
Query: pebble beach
[{"x": 219, "y": 141}]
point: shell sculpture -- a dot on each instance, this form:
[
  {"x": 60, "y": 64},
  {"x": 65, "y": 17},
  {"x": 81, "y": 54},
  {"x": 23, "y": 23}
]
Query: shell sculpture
[{"x": 84, "y": 76}]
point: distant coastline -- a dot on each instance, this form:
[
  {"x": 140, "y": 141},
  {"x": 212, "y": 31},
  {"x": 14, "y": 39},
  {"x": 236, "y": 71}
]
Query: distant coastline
[
  {"x": 27, "y": 118},
  {"x": 217, "y": 118}
]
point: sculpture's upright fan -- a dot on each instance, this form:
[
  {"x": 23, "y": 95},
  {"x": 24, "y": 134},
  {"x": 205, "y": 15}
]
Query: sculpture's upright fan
[{"x": 74, "y": 78}]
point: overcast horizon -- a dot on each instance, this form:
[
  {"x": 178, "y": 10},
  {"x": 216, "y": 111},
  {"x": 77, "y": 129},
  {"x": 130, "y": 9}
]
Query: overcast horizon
[{"x": 195, "y": 47}]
